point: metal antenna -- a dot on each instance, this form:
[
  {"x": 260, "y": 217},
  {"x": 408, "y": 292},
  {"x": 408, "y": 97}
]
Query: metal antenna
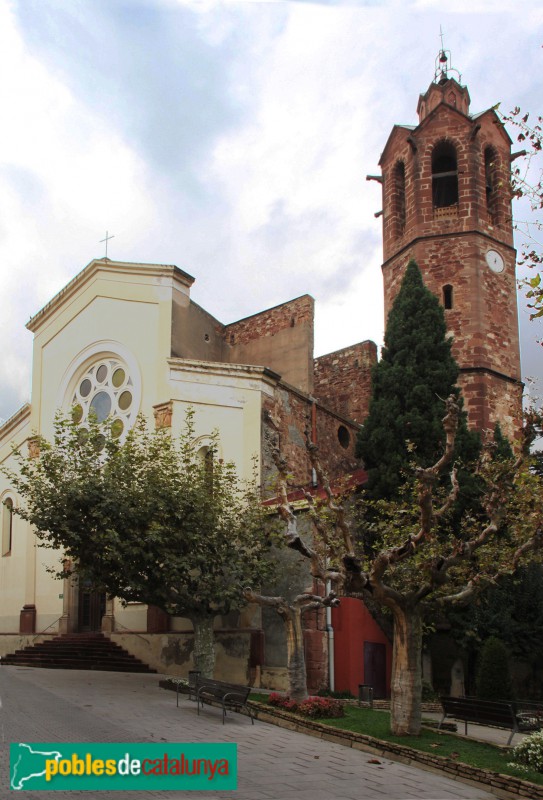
[{"x": 108, "y": 237}]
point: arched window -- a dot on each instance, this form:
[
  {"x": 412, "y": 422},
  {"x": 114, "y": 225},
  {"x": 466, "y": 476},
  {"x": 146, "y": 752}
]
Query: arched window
[
  {"x": 444, "y": 176},
  {"x": 491, "y": 184},
  {"x": 448, "y": 297},
  {"x": 7, "y": 526},
  {"x": 399, "y": 197}
]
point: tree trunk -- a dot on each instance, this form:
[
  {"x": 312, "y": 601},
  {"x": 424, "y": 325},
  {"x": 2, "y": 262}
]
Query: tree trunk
[
  {"x": 204, "y": 645},
  {"x": 297, "y": 677},
  {"x": 406, "y": 684}
]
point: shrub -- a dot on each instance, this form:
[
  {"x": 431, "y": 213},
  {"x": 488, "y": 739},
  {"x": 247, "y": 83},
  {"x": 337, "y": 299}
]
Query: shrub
[
  {"x": 282, "y": 701},
  {"x": 343, "y": 695},
  {"x": 529, "y": 753},
  {"x": 429, "y": 695},
  {"x": 321, "y": 707},
  {"x": 493, "y": 675},
  {"x": 314, "y": 707}
]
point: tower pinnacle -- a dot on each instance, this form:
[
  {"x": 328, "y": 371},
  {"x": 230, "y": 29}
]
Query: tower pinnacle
[{"x": 443, "y": 64}]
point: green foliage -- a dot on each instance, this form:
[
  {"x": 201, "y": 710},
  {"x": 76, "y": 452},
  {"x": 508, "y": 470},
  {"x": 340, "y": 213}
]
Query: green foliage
[
  {"x": 527, "y": 186},
  {"x": 502, "y": 445},
  {"x": 512, "y": 610},
  {"x": 149, "y": 519},
  {"x": 493, "y": 674},
  {"x": 343, "y": 695},
  {"x": 529, "y": 752},
  {"x": 462, "y": 749},
  {"x": 410, "y": 382},
  {"x": 429, "y": 695}
]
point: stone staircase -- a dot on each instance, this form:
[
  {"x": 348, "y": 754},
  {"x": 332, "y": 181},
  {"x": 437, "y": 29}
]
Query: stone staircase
[{"x": 77, "y": 651}]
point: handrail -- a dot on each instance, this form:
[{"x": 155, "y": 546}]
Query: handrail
[
  {"x": 128, "y": 630},
  {"x": 49, "y": 626}
]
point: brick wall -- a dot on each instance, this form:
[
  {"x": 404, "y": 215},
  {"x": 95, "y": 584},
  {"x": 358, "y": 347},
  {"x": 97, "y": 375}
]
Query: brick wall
[
  {"x": 280, "y": 338},
  {"x": 450, "y": 244},
  {"x": 342, "y": 380}
]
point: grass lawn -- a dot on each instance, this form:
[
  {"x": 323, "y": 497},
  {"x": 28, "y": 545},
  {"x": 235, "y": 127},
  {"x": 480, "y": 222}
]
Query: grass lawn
[{"x": 478, "y": 754}]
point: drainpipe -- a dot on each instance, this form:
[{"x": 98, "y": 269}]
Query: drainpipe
[
  {"x": 330, "y": 633},
  {"x": 313, "y": 436},
  {"x": 329, "y": 626}
]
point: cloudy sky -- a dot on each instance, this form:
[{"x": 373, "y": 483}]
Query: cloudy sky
[{"x": 229, "y": 138}]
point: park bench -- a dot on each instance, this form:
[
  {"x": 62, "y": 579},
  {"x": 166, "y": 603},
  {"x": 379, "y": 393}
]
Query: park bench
[
  {"x": 516, "y": 717},
  {"x": 228, "y": 695}
]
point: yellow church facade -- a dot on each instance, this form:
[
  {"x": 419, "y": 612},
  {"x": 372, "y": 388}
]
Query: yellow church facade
[{"x": 123, "y": 339}]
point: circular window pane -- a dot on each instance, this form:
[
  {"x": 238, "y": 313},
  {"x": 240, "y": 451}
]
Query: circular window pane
[
  {"x": 85, "y": 387},
  {"x": 100, "y": 443},
  {"x": 118, "y": 378},
  {"x": 107, "y": 390},
  {"x": 101, "y": 405},
  {"x": 125, "y": 401},
  {"x": 117, "y": 427}
]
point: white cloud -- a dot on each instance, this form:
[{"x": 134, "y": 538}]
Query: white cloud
[{"x": 230, "y": 138}]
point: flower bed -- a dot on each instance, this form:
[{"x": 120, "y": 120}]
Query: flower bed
[{"x": 313, "y": 707}]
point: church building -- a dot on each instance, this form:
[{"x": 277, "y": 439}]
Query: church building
[{"x": 125, "y": 338}]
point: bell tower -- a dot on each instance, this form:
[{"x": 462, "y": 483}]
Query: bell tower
[{"x": 447, "y": 205}]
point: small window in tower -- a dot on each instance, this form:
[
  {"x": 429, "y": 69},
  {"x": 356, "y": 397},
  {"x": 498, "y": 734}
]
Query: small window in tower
[
  {"x": 448, "y": 297},
  {"x": 491, "y": 184},
  {"x": 444, "y": 176},
  {"x": 399, "y": 197}
]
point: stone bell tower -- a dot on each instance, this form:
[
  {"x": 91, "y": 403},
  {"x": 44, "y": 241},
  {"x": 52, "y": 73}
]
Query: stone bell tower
[{"x": 447, "y": 204}]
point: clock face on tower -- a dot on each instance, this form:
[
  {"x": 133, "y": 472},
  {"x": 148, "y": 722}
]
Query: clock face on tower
[{"x": 495, "y": 261}]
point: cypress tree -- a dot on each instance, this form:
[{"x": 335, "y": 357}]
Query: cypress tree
[
  {"x": 415, "y": 374},
  {"x": 493, "y": 674}
]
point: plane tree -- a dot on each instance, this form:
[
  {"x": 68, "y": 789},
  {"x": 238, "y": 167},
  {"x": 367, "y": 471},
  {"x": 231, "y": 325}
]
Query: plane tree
[
  {"x": 315, "y": 546},
  {"x": 419, "y": 560},
  {"x": 527, "y": 189},
  {"x": 151, "y": 519}
]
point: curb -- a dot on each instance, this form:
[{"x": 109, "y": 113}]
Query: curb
[{"x": 503, "y": 786}]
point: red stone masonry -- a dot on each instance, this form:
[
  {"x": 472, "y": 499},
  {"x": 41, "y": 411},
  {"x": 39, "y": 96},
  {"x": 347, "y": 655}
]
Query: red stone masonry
[
  {"x": 450, "y": 244},
  {"x": 285, "y": 419},
  {"x": 342, "y": 380},
  {"x": 270, "y": 321}
]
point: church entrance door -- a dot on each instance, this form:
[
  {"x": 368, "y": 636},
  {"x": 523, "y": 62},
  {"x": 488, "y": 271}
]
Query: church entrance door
[{"x": 92, "y": 607}]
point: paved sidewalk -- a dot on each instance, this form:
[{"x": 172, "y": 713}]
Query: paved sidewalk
[
  {"x": 273, "y": 763},
  {"x": 481, "y": 733}
]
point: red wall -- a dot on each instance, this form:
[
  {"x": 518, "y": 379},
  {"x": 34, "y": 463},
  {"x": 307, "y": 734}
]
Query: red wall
[{"x": 353, "y": 625}]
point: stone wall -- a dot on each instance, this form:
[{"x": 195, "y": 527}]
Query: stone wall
[
  {"x": 286, "y": 418},
  {"x": 280, "y": 338},
  {"x": 342, "y": 380}
]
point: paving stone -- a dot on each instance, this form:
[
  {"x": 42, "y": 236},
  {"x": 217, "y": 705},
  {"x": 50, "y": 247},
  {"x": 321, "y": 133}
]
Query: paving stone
[{"x": 273, "y": 764}]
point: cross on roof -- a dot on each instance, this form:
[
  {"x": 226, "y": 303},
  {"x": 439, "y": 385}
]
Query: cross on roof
[{"x": 108, "y": 237}]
